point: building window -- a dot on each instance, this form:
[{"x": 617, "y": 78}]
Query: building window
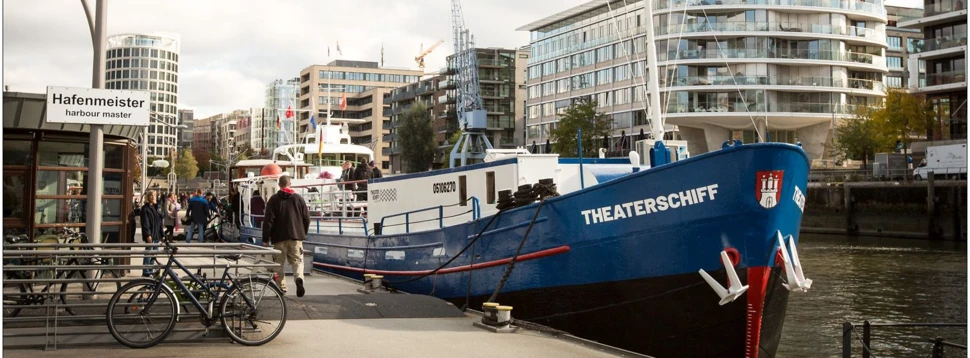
[
  {"x": 895, "y": 82},
  {"x": 895, "y": 43},
  {"x": 894, "y": 62}
]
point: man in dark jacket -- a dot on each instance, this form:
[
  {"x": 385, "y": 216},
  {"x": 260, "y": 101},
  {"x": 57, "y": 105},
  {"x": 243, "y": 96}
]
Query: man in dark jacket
[
  {"x": 363, "y": 172},
  {"x": 285, "y": 226},
  {"x": 199, "y": 212},
  {"x": 375, "y": 170}
]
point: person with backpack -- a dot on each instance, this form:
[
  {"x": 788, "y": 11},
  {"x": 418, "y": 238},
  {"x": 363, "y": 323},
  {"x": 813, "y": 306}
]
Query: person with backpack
[
  {"x": 285, "y": 226},
  {"x": 199, "y": 212}
]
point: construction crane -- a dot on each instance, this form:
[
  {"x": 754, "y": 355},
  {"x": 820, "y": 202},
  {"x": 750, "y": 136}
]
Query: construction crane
[
  {"x": 471, "y": 113},
  {"x": 420, "y": 58}
]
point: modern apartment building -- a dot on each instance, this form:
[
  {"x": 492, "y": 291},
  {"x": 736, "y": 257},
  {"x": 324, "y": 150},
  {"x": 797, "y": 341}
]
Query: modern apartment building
[
  {"x": 350, "y": 77},
  {"x": 501, "y": 76},
  {"x": 202, "y": 135},
  {"x": 280, "y": 95},
  {"x": 788, "y": 69},
  {"x": 186, "y": 118},
  {"x": 436, "y": 93},
  {"x": 149, "y": 62},
  {"x": 902, "y": 42},
  {"x": 944, "y": 52}
]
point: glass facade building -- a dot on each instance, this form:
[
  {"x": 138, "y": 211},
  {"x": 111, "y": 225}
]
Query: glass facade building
[
  {"x": 149, "y": 62},
  {"x": 729, "y": 68}
]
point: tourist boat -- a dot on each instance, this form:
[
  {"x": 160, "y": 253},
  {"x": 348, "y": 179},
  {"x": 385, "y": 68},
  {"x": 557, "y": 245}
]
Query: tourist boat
[{"x": 663, "y": 255}]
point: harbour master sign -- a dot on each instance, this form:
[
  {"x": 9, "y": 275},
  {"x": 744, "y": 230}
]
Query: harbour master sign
[{"x": 97, "y": 106}]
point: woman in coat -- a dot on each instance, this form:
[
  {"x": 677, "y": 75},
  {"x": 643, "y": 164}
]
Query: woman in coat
[{"x": 151, "y": 228}]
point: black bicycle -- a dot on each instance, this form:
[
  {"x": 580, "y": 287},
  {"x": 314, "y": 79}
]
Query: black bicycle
[
  {"x": 143, "y": 313},
  {"x": 18, "y": 295}
]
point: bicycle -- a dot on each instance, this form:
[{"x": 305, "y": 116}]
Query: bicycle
[
  {"x": 133, "y": 310},
  {"x": 28, "y": 294}
]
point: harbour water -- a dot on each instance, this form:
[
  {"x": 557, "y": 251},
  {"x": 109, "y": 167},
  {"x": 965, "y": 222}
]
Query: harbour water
[{"x": 880, "y": 280}]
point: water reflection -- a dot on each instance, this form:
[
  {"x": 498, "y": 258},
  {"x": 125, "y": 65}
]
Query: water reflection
[{"x": 880, "y": 280}]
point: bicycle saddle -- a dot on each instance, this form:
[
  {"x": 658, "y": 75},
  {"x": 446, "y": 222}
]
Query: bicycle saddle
[{"x": 233, "y": 257}]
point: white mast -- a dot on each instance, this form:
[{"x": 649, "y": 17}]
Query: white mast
[{"x": 656, "y": 124}]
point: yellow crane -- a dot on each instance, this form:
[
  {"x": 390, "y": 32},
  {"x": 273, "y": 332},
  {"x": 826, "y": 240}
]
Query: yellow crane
[{"x": 420, "y": 58}]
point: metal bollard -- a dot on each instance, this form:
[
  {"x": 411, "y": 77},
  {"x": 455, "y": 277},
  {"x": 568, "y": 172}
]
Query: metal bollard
[
  {"x": 490, "y": 313},
  {"x": 375, "y": 282},
  {"x": 504, "y": 316}
]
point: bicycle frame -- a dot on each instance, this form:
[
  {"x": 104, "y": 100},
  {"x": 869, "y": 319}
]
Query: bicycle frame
[{"x": 169, "y": 272}]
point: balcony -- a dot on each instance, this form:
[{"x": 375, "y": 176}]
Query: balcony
[
  {"x": 447, "y": 70},
  {"x": 875, "y": 7},
  {"x": 945, "y": 78},
  {"x": 494, "y": 93},
  {"x": 943, "y": 43},
  {"x": 494, "y": 78},
  {"x": 509, "y": 142},
  {"x": 794, "y": 107},
  {"x": 403, "y": 96},
  {"x": 943, "y": 7},
  {"x": 499, "y": 124},
  {"x": 448, "y": 113},
  {"x": 446, "y": 84},
  {"x": 757, "y": 26},
  {"x": 773, "y": 53},
  {"x": 492, "y": 63},
  {"x": 773, "y": 81},
  {"x": 498, "y": 109},
  {"x": 423, "y": 89},
  {"x": 446, "y": 99}
]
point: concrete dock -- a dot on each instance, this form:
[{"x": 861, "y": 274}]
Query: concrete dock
[{"x": 333, "y": 319}]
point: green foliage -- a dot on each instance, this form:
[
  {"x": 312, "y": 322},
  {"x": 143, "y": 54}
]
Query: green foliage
[
  {"x": 416, "y": 136},
  {"x": 580, "y": 115},
  {"x": 446, "y": 158},
  {"x": 905, "y": 116},
  {"x": 861, "y": 137},
  {"x": 186, "y": 167}
]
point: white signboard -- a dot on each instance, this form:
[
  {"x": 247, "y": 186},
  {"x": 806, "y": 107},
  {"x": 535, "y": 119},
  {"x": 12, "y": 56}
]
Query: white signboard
[{"x": 97, "y": 106}]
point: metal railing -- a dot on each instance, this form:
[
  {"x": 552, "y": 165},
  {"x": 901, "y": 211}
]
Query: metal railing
[
  {"x": 741, "y": 80},
  {"x": 849, "y": 332},
  {"x": 758, "y": 26},
  {"x": 943, "y": 78},
  {"x": 475, "y": 211},
  {"x": 854, "y": 175},
  {"x": 944, "y": 42},
  {"x": 41, "y": 276}
]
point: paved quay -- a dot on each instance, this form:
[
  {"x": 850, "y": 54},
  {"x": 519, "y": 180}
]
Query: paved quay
[{"x": 333, "y": 319}]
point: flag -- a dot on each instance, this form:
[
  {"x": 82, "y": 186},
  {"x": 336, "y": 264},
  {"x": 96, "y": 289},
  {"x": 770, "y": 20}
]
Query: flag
[
  {"x": 382, "y": 54},
  {"x": 343, "y": 102},
  {"x": 328, "y": 51},
  {"x": 341, "y": 53},
  {"x": 289, "y": 112},
  {"x": 277, "y": 121},
  {"x": 313, "y": 122},
  {"x": 320, "y": 141}
]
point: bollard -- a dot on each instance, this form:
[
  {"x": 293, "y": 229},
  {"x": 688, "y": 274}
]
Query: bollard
[
  {"x": 930, "y": 206},
  {"x": 504, "y": 315},
  {"x": 850, "y": 227},
  {"x": 846, "y": 340},
  {"x": 375, "y": 282},
  {"x": 866, "y": 341},
  {"x": 490, "y": 313}
]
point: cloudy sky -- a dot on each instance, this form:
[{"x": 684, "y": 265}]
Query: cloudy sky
[{"x": 230, "y": 49}]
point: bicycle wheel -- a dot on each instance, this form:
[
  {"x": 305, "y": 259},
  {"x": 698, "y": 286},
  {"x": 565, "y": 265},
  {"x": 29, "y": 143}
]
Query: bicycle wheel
[
  {"x": 258, "y": 321},
  {"x": 131, "y": 324},
  {"x": 13, "y": 294}
]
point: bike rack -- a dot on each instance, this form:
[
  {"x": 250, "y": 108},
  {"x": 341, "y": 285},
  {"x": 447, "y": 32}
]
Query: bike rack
[{"x": 50, "y": 260}]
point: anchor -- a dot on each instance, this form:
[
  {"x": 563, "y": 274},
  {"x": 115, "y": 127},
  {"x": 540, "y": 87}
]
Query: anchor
[
  {"x": 734, "y": 289},
  {"x": 793, "y": 267}
]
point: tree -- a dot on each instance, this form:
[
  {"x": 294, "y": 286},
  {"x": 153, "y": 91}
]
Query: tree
[
  {"x": 580, "y": 115},
  {"x": 861, "y": 137},
  {"x": 136, "y": 173},
  {"x": 416, "y": 135},
  {"x": 186, "y": 167},
  {"x": 905, "y": 116},
  {"x": 203, "y": 158},
  {"x": 450, "y": 143}
]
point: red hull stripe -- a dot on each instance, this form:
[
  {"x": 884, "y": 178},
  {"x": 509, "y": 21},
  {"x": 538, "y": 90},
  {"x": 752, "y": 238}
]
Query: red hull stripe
[
  {"x": 526, "y": 257},
  {"x": 757, "y": 285}
]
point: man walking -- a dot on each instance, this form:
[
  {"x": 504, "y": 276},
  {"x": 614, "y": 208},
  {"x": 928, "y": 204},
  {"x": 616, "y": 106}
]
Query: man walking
[
  {"x": 199, "y": 212},
  {"x": 285, "y": 225}
]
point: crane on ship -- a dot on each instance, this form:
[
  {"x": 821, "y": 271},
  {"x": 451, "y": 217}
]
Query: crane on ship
[
  {"x": 473, "y": 143},
  {"x": 420, "y": 57}
]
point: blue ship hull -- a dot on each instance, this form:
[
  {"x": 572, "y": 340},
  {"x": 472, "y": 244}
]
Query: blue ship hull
[{"x": 618, "y": 262}]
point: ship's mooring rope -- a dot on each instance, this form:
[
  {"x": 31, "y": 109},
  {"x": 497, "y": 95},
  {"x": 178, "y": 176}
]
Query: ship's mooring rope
[
  {"x": 511, "y": 265},
  {"x": 470, "y": 243}
]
